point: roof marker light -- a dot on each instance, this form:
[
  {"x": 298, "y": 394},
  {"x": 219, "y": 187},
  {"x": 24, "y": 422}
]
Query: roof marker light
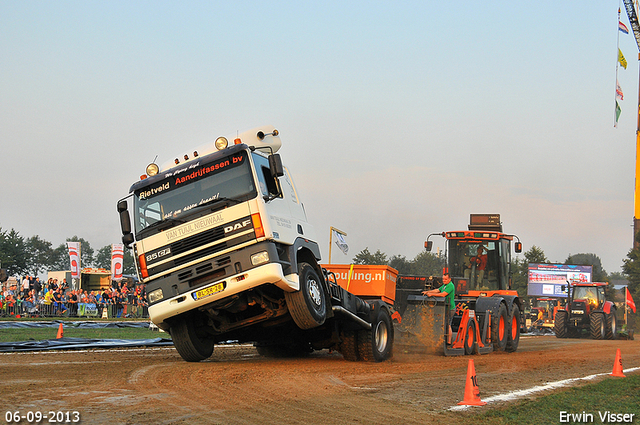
[{"x": 221, "y": 143}]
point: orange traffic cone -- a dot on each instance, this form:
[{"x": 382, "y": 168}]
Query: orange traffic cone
[
  {"x": 471, "y": 389},
  {"x": 60, "y": 332},
  {"x": 617, "y": 366}
]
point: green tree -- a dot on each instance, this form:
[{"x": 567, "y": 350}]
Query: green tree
[
  {"x": 427, "y": 264},
  {"x": 366, "y": 257},
  {"x": 400, "y": 263},
  {"x": 599, "y": 274},
  {"x": 39, "y": 253},
  {"x": 631, "y": 269},
  {"x": 13, "y": 253},
  {"x": 103, "y": 260}
]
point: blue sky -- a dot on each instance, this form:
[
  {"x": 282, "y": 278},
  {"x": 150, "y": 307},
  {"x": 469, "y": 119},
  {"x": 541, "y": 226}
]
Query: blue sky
[{"x": 398, "y": 119}]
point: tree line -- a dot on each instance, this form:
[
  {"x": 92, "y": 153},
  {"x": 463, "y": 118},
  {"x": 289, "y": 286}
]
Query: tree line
[{"x": 34, "y": 255}]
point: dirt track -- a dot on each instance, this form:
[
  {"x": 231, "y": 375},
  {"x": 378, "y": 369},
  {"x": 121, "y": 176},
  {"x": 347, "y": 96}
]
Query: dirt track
[{"x": 236, "y": 386}]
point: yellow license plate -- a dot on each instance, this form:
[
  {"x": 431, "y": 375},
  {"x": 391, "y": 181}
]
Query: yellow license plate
[{"x": 204, "y": 293}]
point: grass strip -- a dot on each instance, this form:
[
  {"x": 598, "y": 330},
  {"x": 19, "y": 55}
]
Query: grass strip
[{"x": 614, "y": 395}]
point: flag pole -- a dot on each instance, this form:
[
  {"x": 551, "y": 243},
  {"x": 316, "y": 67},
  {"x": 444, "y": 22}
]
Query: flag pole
[{"x": 330, "y": 242}]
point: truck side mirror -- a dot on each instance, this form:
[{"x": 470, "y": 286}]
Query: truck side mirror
[
  {"x": 518, "y": 247},
  {"x": 428, "y": 245},
  {"x": 275, "y": 165},
  {"x": 125, "y": 220}
]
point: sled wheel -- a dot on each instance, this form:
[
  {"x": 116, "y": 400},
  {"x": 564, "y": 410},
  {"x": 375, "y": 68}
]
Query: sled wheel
[
  {"x": 470, "y": 338},
  {"x": 308, "y": 305}
]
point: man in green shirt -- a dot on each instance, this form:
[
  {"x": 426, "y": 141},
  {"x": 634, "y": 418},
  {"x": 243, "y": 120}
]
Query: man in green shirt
[{"x": 446, "y": 290}]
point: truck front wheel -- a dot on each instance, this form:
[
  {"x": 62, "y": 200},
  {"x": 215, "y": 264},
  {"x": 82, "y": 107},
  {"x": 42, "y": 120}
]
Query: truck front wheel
[
  {"x": 376, "y": 344},
  {"x": 308, "y": 306},
  {"x": 611, "y": 325},
  {"x": 192, "y": 346}
]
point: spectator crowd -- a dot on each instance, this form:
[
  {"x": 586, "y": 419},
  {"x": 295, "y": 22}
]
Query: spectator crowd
[{"x": 30, "y": 297}]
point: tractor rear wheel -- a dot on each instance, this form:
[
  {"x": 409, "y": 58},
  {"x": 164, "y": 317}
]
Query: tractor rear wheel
[
  {"x": 513, "y": 336},
  {"x": 499, "y": 322},
  {"x": 611, "y": 325},
  {"x": 560, "y": 324},
  {"x": 597, "y": 325}
]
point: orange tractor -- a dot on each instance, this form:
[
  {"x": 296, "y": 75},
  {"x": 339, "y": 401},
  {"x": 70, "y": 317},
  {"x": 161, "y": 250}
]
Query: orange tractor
[{"x": 489, "y": 314}]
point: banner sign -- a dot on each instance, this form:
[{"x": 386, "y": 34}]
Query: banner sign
[
  {"x": 548, "y": 280},
  {"x": 117, "y": 261},
  {"x": 74, "y": 257}
]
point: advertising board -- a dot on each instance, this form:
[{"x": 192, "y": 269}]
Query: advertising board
[{"x": 551, "y": 280}]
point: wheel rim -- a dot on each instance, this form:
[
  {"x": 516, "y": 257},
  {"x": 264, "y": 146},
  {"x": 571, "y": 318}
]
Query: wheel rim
[
  {"x": 314, "y": 292},
  {"x": 514, "y": 327},
  {"x": 381, "y": 336},
  {"x": 501, "y": 328}
]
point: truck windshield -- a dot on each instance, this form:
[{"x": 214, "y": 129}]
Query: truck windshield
[
  {"x": 587, "y": 293},
  {"x": 478, "y": 262},
  {"x": 192, "y": 189}
]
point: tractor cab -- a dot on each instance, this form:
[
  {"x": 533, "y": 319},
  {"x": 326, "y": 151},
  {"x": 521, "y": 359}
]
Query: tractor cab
[{"x": 479, "y": 259}]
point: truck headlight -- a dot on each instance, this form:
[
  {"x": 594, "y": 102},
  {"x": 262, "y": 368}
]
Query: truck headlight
[
  {"x": 155, "y": 295},
  {"x": 260, "y": 258}
]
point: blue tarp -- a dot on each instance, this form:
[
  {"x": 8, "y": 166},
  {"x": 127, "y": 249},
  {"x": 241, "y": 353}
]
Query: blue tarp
[
  {"x": 81, "y": 343},
  {"x": 72, "y": 324}
]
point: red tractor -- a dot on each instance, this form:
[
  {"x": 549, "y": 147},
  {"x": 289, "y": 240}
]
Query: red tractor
[{"x": 587, "y": 308}]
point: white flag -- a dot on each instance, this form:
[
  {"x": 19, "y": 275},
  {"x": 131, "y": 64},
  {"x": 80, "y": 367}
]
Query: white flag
[
  {"x": 74, "y": 257},
  {"x": 117, "y": 261},
  {"x": 341, "y": 242}
]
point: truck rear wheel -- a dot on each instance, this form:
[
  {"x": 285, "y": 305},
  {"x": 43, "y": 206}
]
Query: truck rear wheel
[
  {"x": 499, "y": 322},
  {"x": 376, "y": 344},
  {"x": 190, "y": 344},
  {"x": 513, "y": 330},
  {"x": 349, "y": 345},
  {"x": 612, "y": 325},
  {"x": 597, "y": 325},
  {"x": 560, "y": 324},
  {"x": 308, "y": 306}
]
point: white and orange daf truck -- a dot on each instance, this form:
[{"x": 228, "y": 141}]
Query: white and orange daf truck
[{"x": 223, "y": 245}]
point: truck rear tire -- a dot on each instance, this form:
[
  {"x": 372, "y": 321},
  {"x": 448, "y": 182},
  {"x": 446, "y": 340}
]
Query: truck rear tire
[
  {"x": 560, "y": 324},
  {"x": 513, "y": 330},
  {"x": 611, "y": 325},
  {"x": 308, "y": 305},
  {"x": 376, "y": 344},
  {"x": 349, "y": 345},
  {"x": 191, "y": 346},
  {"x": 499, "y": 323},
  {"x": 597, "y": 325}
]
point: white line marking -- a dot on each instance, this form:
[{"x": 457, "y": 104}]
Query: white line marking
[{"x": 550, "y": 386}]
